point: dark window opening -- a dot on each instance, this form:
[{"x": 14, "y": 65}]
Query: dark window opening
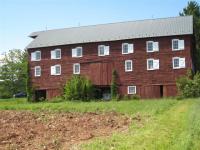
[{"x": 40, "y": 95}]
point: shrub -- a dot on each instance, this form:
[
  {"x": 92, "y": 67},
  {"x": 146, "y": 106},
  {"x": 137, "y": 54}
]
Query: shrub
[
  {"x": 134, "y": 97},
  {"x": 78, "y": 88},
  {"x": 189, "y": 86},
  {"x": 114, "y": 87}
]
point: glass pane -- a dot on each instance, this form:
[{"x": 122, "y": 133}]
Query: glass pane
[
  {"x": 150, "y": 64},
  {"x": 175, "y": 44},
  {"x": 57, "y": 69},
  {"x": 101, "y": 49},
  {"x": 150, "y": 46},
  {"x": 125, "y": 48},
  {"x": 128, "y": 65},
  {"x": 57, "y": 54},
  {"x": 37, "y": 55},
  {"x": 176, "y": 62},
  {"x": 79, "y": 53}
]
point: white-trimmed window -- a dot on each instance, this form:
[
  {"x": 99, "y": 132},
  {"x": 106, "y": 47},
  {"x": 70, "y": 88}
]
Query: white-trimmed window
[
  {"x": 56, "y": 54},
  {"x": 76, "y": 68},
  {"x": 36, "y": 56},
  {"x": 131, "y": 90},
  {"x": 178, "y": 45},
  {"x": 178, "y": 62},
  {"x": 152, "y": 64},
  {"x": 77, "y": 52},
  {"x": 127, "y": 48},
  {"x": 103, "y": 50},
  {"x": 152, "y": 46},
  {"x": 56, "y": 70},
  {"x": 128, "y": 65},
  {"x": 37, "y": 71}
]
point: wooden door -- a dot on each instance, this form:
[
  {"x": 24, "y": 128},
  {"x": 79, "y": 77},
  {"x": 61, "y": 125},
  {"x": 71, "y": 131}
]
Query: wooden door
[{"x": 101, "y": 73}]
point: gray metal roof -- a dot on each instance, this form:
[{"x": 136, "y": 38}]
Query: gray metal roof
[{"x": 113, "y": 31}]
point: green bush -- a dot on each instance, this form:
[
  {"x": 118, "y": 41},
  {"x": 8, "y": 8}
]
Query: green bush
[
  {"x": 78, "y": 88},
  {"x": 114, "y": 88},
  {"x": 189, "y": 86}
]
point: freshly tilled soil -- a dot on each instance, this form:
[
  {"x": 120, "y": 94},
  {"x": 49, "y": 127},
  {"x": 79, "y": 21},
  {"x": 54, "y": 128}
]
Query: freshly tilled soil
[{"x": 25, "y": 130}]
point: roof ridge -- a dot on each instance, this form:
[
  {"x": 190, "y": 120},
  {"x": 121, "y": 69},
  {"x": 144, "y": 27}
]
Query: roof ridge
[{"x": 162, "y": 18}]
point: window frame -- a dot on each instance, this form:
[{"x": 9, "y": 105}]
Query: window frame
[
  {"x": 178, "y": 49},
  {"x": 132, "y": 86},
  {"x": 104, "y": 50},
  {"x": 54, "y": 51},
  {"x": 34, "y": 53},
  {"x": 77, "y": 52},
  {"x": 179, "y": 67},
  {"x": 36, "y": 67},
  {"x": 128, "y": 50},
  {"x": 74, "y": 66},
  {"x": 127, "y": 61},
  {"x": 56, "y": 74},
  {"x": 154, "y": 44},
  {"x": 147, "y": 43},
  {"x": 151, "y": 59}
]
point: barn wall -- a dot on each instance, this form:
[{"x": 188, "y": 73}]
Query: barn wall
[{"x": 99, "y": 68}]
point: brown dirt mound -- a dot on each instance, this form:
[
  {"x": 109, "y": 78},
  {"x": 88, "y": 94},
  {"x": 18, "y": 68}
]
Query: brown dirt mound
[{"x": 45, "y": 130}]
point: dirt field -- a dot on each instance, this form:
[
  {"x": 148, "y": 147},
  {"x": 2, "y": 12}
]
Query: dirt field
[{"x": 44, "y": 130}]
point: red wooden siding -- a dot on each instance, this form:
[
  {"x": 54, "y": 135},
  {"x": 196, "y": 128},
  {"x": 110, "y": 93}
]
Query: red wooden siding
[{"x": 99, "y": 68}]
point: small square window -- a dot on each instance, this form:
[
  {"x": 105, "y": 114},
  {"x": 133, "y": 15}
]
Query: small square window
[
  {"x": 153, "y": 64},
  {"x": 36, "y": 56},
  {"x": 128, "y": 65},
  {"x": 56, "y": 70},
  {"x": 77, "y": 52},
  {"x": 37, "y": 71},
  {"x": 131, "y": 89},
  {"x": 76, "y": 68},
  {"x": 103, "y": 50}
]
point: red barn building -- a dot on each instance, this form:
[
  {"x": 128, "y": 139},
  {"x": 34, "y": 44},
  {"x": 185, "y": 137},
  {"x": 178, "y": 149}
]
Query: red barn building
[{"x": 148, "y": 55}]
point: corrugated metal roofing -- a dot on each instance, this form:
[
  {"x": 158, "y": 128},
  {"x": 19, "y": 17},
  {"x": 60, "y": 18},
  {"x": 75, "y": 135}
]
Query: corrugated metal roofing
[{"x": 113, "y": 31}]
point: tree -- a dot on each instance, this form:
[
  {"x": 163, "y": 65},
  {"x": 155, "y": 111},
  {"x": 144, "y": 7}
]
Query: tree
[
  {"x": 114, "y": 84},
  {"x": 193, "y": 8},
  {"x": 13, "y": 73}
]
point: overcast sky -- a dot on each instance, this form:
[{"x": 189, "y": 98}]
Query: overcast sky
[{"x": 18, "y": 18}]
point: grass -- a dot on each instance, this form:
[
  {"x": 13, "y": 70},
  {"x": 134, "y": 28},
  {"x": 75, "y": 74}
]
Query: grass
[{"x": 164, "y": 125}]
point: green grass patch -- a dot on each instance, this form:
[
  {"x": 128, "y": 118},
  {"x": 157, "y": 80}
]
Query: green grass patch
[{"x": 165, "y": 124}]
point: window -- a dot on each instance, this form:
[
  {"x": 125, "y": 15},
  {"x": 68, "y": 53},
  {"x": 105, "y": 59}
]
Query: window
[
  {"x": 56, "y": 70},
  {"x": 37, "y": 71},
  {"x": 56, "y": 54},
  {"x": 103, "y": 50},
  {"x": 76, "y": 68},
  {"x": 127, "y": 48},
  {"x": 36, "y": 56},
  {"x": 131, "y": 89},
  {"x": 128, "y": 66},
  {"x": 152, "y": 64},
  {"x": 77, "y": 52},
  {"x": 178, "y": 63},
  {"x": 178, "y": 44},
  {"x": 152, "y": 46}
]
